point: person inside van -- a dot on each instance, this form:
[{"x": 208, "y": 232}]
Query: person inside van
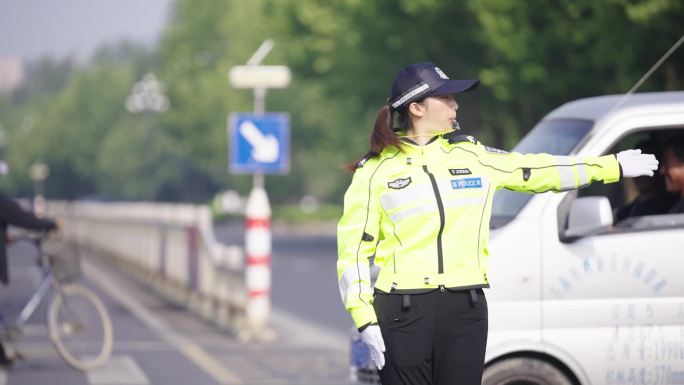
[
  {"x": 652, "y": 198},
  {"x": 672, "y": 168}
]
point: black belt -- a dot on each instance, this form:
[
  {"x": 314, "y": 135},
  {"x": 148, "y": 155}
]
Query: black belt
[{"x": 406, "y": 299}]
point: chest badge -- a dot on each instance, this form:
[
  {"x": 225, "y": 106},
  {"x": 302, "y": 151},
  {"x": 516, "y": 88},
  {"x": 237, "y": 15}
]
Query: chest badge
[
  {"x": 399, "y": 183},
  {"x": 460, "y": 171},
  {"x": 458, "y": 184}
]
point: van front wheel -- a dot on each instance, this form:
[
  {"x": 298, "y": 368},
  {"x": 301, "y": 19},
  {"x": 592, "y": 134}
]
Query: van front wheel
[{"x": 524, "y": 371}]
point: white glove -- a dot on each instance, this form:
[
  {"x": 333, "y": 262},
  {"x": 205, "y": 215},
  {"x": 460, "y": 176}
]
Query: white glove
[
  {"x": 372, "y": 337},
  {"x": 634, "y": 163}
]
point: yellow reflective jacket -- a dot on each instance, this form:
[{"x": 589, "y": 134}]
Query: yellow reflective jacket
[{"x": 424, "y": 213}]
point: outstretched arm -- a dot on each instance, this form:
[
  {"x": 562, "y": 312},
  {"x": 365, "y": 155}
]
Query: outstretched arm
[
  {"x": 545, "y": 172},
  {"x": 13, "y": 214}
]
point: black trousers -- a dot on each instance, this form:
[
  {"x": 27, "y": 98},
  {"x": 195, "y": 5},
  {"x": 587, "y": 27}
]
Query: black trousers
[{"x": 434, "y": 338}]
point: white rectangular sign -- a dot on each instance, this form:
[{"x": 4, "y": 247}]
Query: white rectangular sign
[{"x": 256, "y": 76}]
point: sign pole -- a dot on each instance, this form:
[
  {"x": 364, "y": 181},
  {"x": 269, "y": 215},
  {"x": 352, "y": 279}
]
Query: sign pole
[
  {"x": 258, "y": 244},
  {"x": 266, "y": 149},
  {"x": 259, "y": 109}
]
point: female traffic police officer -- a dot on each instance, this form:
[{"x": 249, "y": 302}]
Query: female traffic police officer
[{"x": 419, "y": 203}]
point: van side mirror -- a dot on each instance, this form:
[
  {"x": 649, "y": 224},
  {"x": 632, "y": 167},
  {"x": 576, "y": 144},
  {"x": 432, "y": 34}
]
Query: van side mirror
[{"x": 587, "y": 216}]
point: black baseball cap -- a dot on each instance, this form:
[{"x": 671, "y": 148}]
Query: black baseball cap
[{"x": 420, "y": 80}]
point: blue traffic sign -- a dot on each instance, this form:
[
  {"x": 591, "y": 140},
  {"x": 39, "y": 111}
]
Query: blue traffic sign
[{"x": 259, "y": 143}]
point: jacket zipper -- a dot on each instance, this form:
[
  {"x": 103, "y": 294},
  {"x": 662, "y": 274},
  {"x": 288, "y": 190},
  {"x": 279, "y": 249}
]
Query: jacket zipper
[{"x": 440, "y": 206}]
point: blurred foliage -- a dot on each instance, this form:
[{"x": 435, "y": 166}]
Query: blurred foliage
[
  {"x": 531, "y": 57},
  {"x": 295, "y": 214},
  {"x": 541, "y": 54}
]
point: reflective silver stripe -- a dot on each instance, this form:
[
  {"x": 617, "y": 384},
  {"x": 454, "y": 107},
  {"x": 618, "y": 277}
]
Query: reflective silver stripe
[
  {"x": 410, "y": 94},
  {"x": 567, "y": 177},
  {"x": 351, "y": 278},
  {"x": 426, "y": 191},
  {"x": 471, "y": 201},
  {"x": 403, "y": 214},
  {"x": 432, "y": 207},
  {"x": 355, "y": 289},
  {"x": 583, "y": 179},
  {"x": 394, "y": 199}
]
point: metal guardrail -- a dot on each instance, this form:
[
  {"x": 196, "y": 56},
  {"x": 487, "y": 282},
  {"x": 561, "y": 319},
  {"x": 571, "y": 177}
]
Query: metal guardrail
[{"x": 173, "y": 248}]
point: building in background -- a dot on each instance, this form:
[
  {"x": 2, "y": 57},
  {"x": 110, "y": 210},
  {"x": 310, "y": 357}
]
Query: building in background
[{"x": 11, "y": 73}]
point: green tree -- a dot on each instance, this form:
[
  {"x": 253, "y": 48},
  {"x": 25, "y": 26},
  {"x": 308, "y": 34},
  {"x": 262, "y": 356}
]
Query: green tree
[
  {"x": 541, "y": 54},
  {"x": 531, "y": 57},
  {"x": 65, "y": 125}
]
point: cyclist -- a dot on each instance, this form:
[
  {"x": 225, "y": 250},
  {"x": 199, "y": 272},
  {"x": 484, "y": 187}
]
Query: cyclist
[{"x": 12, "y": 214}]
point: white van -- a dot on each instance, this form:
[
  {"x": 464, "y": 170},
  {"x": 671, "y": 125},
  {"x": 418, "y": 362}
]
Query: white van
[{"x": 578, "y": 298}]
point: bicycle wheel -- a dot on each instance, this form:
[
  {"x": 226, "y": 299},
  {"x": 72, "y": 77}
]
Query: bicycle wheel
[{"x": 80, "y": 327}]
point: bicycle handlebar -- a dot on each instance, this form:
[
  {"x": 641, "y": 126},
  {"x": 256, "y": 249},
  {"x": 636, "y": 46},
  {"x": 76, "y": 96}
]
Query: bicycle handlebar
[{"x": 31, "y": 235}]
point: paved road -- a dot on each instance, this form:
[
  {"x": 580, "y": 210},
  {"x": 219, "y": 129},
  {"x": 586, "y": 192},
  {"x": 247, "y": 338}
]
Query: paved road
[
  {"x": 304, "y": 272},
  {"x": 158, "y": 343}
]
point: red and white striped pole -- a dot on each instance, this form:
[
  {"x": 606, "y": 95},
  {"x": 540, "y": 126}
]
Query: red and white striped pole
[{"x": 258, "y": 250}]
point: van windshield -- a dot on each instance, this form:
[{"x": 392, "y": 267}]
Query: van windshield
[{"x": 556, "y": 136}]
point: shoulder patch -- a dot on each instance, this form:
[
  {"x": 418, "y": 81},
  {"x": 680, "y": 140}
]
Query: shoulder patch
[
  {"x": 495, "y": 150},
  {"x": 399, "y": 183},
  {"x": 462, "y": 138}
]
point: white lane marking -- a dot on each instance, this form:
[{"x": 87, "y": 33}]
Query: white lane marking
[
  {"x": 119, "y": 370},
  {"x": 304, "y": 332},
  {"x": 34, "y": 330},
  {"x": 36, "y": 349},
  {"x": 117, "y": 290},
  {"x": 142, "y": 346},
  {"x": 44, "y": 349},
  {"x": 3, "y": 377}
]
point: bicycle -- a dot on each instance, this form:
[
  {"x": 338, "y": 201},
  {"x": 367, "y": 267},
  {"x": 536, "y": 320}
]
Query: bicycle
[{"x": 79, "y": 325}]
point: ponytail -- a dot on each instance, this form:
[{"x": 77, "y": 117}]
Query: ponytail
[{"x": 382, "y": 136}]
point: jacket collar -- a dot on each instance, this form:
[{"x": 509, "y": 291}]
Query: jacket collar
[
  {"x": 411, "y": 147},
  {"x": 444, "y": 141}
]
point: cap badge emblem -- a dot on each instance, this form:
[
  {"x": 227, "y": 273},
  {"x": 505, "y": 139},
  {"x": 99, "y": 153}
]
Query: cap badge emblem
[{"x": 441, "y": 73}]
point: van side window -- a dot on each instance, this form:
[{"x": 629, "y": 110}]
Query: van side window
[{"x": 661, "y": 195}]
